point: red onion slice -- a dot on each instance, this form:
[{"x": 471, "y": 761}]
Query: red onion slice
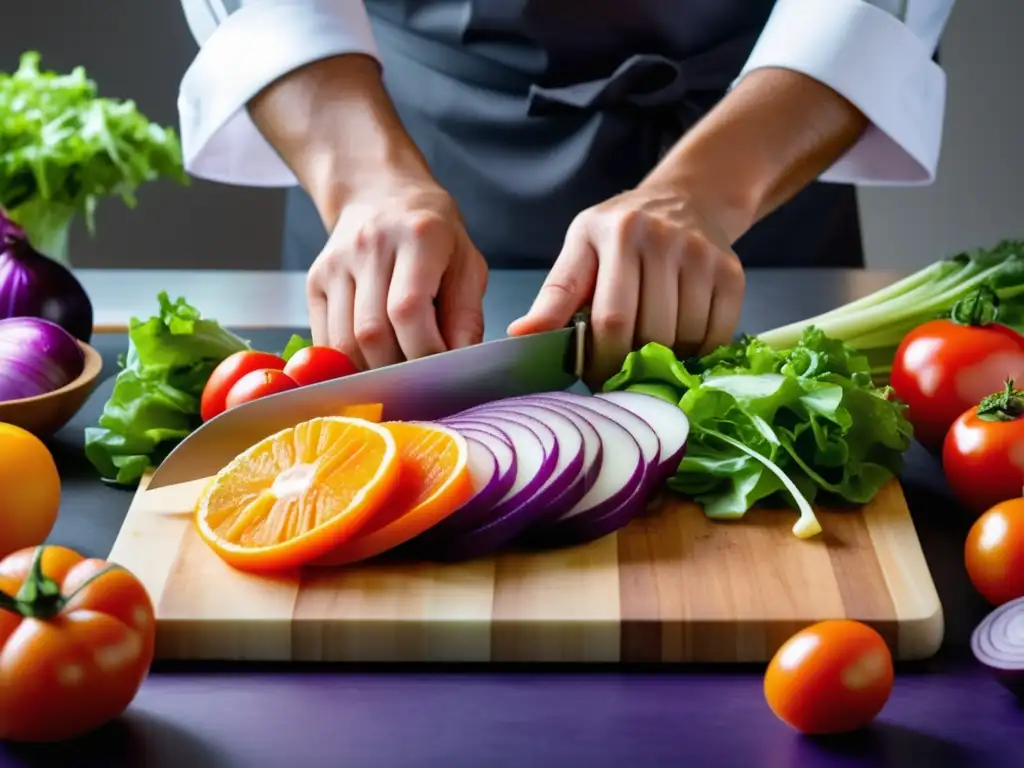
[
  {"x": 998, "y": 643},
  {"x": 667, "y": 420}
]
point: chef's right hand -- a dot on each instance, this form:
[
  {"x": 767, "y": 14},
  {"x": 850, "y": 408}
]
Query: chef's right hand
[{"x": 399, "y": 277}]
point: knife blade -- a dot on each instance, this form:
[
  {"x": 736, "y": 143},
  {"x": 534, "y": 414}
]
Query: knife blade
[{"x": 422, "y": 389}]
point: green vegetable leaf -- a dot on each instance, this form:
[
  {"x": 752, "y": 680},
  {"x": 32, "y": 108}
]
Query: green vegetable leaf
[
  {"x": 155, "y": 402},
  {"x": 772, "y": 425},
  {"x": 295, "y": 343},
  {"x": 63, "y": 148},
  {"x": 982, "y": 286}
]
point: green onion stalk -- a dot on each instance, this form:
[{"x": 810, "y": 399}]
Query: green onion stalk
[{"x": 877, "y": 323}]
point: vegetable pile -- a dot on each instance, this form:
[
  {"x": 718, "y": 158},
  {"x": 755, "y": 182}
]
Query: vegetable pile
[
  {"x": 544, "y": 470},
  {"x": 63, "y": 148},
  {"x": 876, "y": 324},
  {"x": 796, "y": 423}
]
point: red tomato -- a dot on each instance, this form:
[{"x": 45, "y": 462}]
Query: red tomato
[
  {"x": 994, "y": 552},
  {"x": 257, "y": 384},
  {"x": 832, "y": 677},
  {"x": 983, "y": 454},
  {"x": 942, "y": 368},
  {"x": 225, "y": 375},
  {"x": 74, "y": 656},
  {"x": 315, "y": 364}
]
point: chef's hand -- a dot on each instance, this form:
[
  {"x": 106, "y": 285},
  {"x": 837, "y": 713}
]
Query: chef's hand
[
  {"x": 654, "y": 267},
  {"x": 399, "y": 277}
]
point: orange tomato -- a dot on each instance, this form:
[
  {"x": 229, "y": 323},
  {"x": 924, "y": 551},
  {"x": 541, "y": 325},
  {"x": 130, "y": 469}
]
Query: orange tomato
[
  {"x": 994, "y": 552},
  {"x": 76, "y": 641},
  {"x": 832, "y": 677},
  {"x": 29, "y": 490}
]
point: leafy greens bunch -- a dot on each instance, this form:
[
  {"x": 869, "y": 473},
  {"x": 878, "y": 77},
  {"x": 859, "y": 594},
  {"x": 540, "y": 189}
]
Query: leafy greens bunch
[
  {"x": 155, "y": 402},
  {"x": 63, "y": 148},
  {"x": 767, "y": 424},
  {"x": 875, "y": 324}
]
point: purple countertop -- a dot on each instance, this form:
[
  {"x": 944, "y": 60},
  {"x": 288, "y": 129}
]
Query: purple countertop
[{"x": 946, "y": 712}]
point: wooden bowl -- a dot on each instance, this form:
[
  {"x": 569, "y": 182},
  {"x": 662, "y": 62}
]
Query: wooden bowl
[{"x": 43, "y": 415}]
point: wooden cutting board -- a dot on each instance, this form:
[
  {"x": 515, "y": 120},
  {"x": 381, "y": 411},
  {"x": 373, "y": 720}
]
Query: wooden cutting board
[{"x": 672, "y": 586}]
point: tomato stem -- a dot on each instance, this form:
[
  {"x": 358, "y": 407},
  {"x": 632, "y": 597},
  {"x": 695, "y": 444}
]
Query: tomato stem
[
  {"x": 1007, "y": 405},
  {"x": 39, "y": 596},
  {"x": 978, "y": 308}
]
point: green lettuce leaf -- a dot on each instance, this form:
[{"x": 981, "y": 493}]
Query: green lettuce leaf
[
  {"x": 776, "y": 426},
  {"x": 155, "y": 402},
  {"x": 63, "y": 148}
]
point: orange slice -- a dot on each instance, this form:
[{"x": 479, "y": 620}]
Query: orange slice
[
  {"x": 370, "y": 411},
  {"x": 434, "y": 482},
  {"x": 298, "y": 494}
]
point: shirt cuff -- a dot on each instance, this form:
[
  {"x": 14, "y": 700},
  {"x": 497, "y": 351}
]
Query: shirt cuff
[
  {"x": 248, "y": 51},
  {"x": 877, "y": 63}
]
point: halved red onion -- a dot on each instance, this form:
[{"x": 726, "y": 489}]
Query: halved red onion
[
  {"x": 667, "y": 420},
  {"x": 535, "y": 460},
  {"x": 579, "y": 449},
  {"x": 998, "y": 643}
]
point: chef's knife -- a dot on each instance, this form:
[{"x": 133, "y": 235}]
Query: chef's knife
[{"x": 422, "y": 389}]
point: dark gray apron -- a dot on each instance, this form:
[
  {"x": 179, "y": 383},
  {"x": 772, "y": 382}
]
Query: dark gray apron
[{"x": 530, "y": 111}]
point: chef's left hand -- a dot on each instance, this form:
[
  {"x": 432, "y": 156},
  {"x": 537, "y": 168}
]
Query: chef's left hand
[{"x": 655, "y": 266}]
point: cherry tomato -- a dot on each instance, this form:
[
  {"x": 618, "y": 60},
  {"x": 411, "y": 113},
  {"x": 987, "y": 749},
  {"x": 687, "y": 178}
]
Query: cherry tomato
[
  {"x": 832, "y": 677},
  {"x": 257, "y": 384},
  {"x": 224, "y": 376},
  {"x": 312, "y": 365},
  {"x": 944, "y": 367},
  {"x": 994, "y": 552},
  {"x": 75, "y": 645},
  {"x": 983, "y": 454}
]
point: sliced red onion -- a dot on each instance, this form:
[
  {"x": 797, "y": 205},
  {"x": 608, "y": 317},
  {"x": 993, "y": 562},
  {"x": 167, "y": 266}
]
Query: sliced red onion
[
  {"x": 622, "y": 465},
  {"x": 642, "y": 432},
  {"x": 998, "y": 643},
  {"x": 667, "y": 420},
  {"x": 580, "y": 529},
  {"x": 579, "y": 452},
  {"x": 476, "y": 511},
  {"x": 534, "y": 464}
]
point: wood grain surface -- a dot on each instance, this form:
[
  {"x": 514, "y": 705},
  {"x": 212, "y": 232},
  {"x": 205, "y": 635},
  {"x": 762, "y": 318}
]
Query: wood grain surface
[{"x": 671, "y": 587}]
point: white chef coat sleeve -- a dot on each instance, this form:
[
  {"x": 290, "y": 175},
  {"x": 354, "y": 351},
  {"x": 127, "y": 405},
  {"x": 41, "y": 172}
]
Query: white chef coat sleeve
[
  {"x": 244, "y": 46},
  {"x": 879, "y": 56}
]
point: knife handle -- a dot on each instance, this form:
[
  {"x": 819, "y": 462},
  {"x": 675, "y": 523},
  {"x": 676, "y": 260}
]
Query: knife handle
[{"x": 580, "y": 323}]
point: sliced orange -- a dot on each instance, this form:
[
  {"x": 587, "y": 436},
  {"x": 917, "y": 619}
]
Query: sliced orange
[
  {"x": 370, "y": 411},
  {"x": 434, "y": 482},
  {"x": 298, "y": 494}
]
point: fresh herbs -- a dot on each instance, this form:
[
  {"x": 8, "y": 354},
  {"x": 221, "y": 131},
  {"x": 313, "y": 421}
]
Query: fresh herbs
[
  {"x": 63, "y": 148},
  {"x": 295, "y": 343},
  {"x": 875, "y": 324},
  {"x": 155, "y": 402},
  {"x": 801, "y": 422}
]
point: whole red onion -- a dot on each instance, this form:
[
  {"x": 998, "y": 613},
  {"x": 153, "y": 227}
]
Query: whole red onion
[{"x": 33, "y": 285}]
